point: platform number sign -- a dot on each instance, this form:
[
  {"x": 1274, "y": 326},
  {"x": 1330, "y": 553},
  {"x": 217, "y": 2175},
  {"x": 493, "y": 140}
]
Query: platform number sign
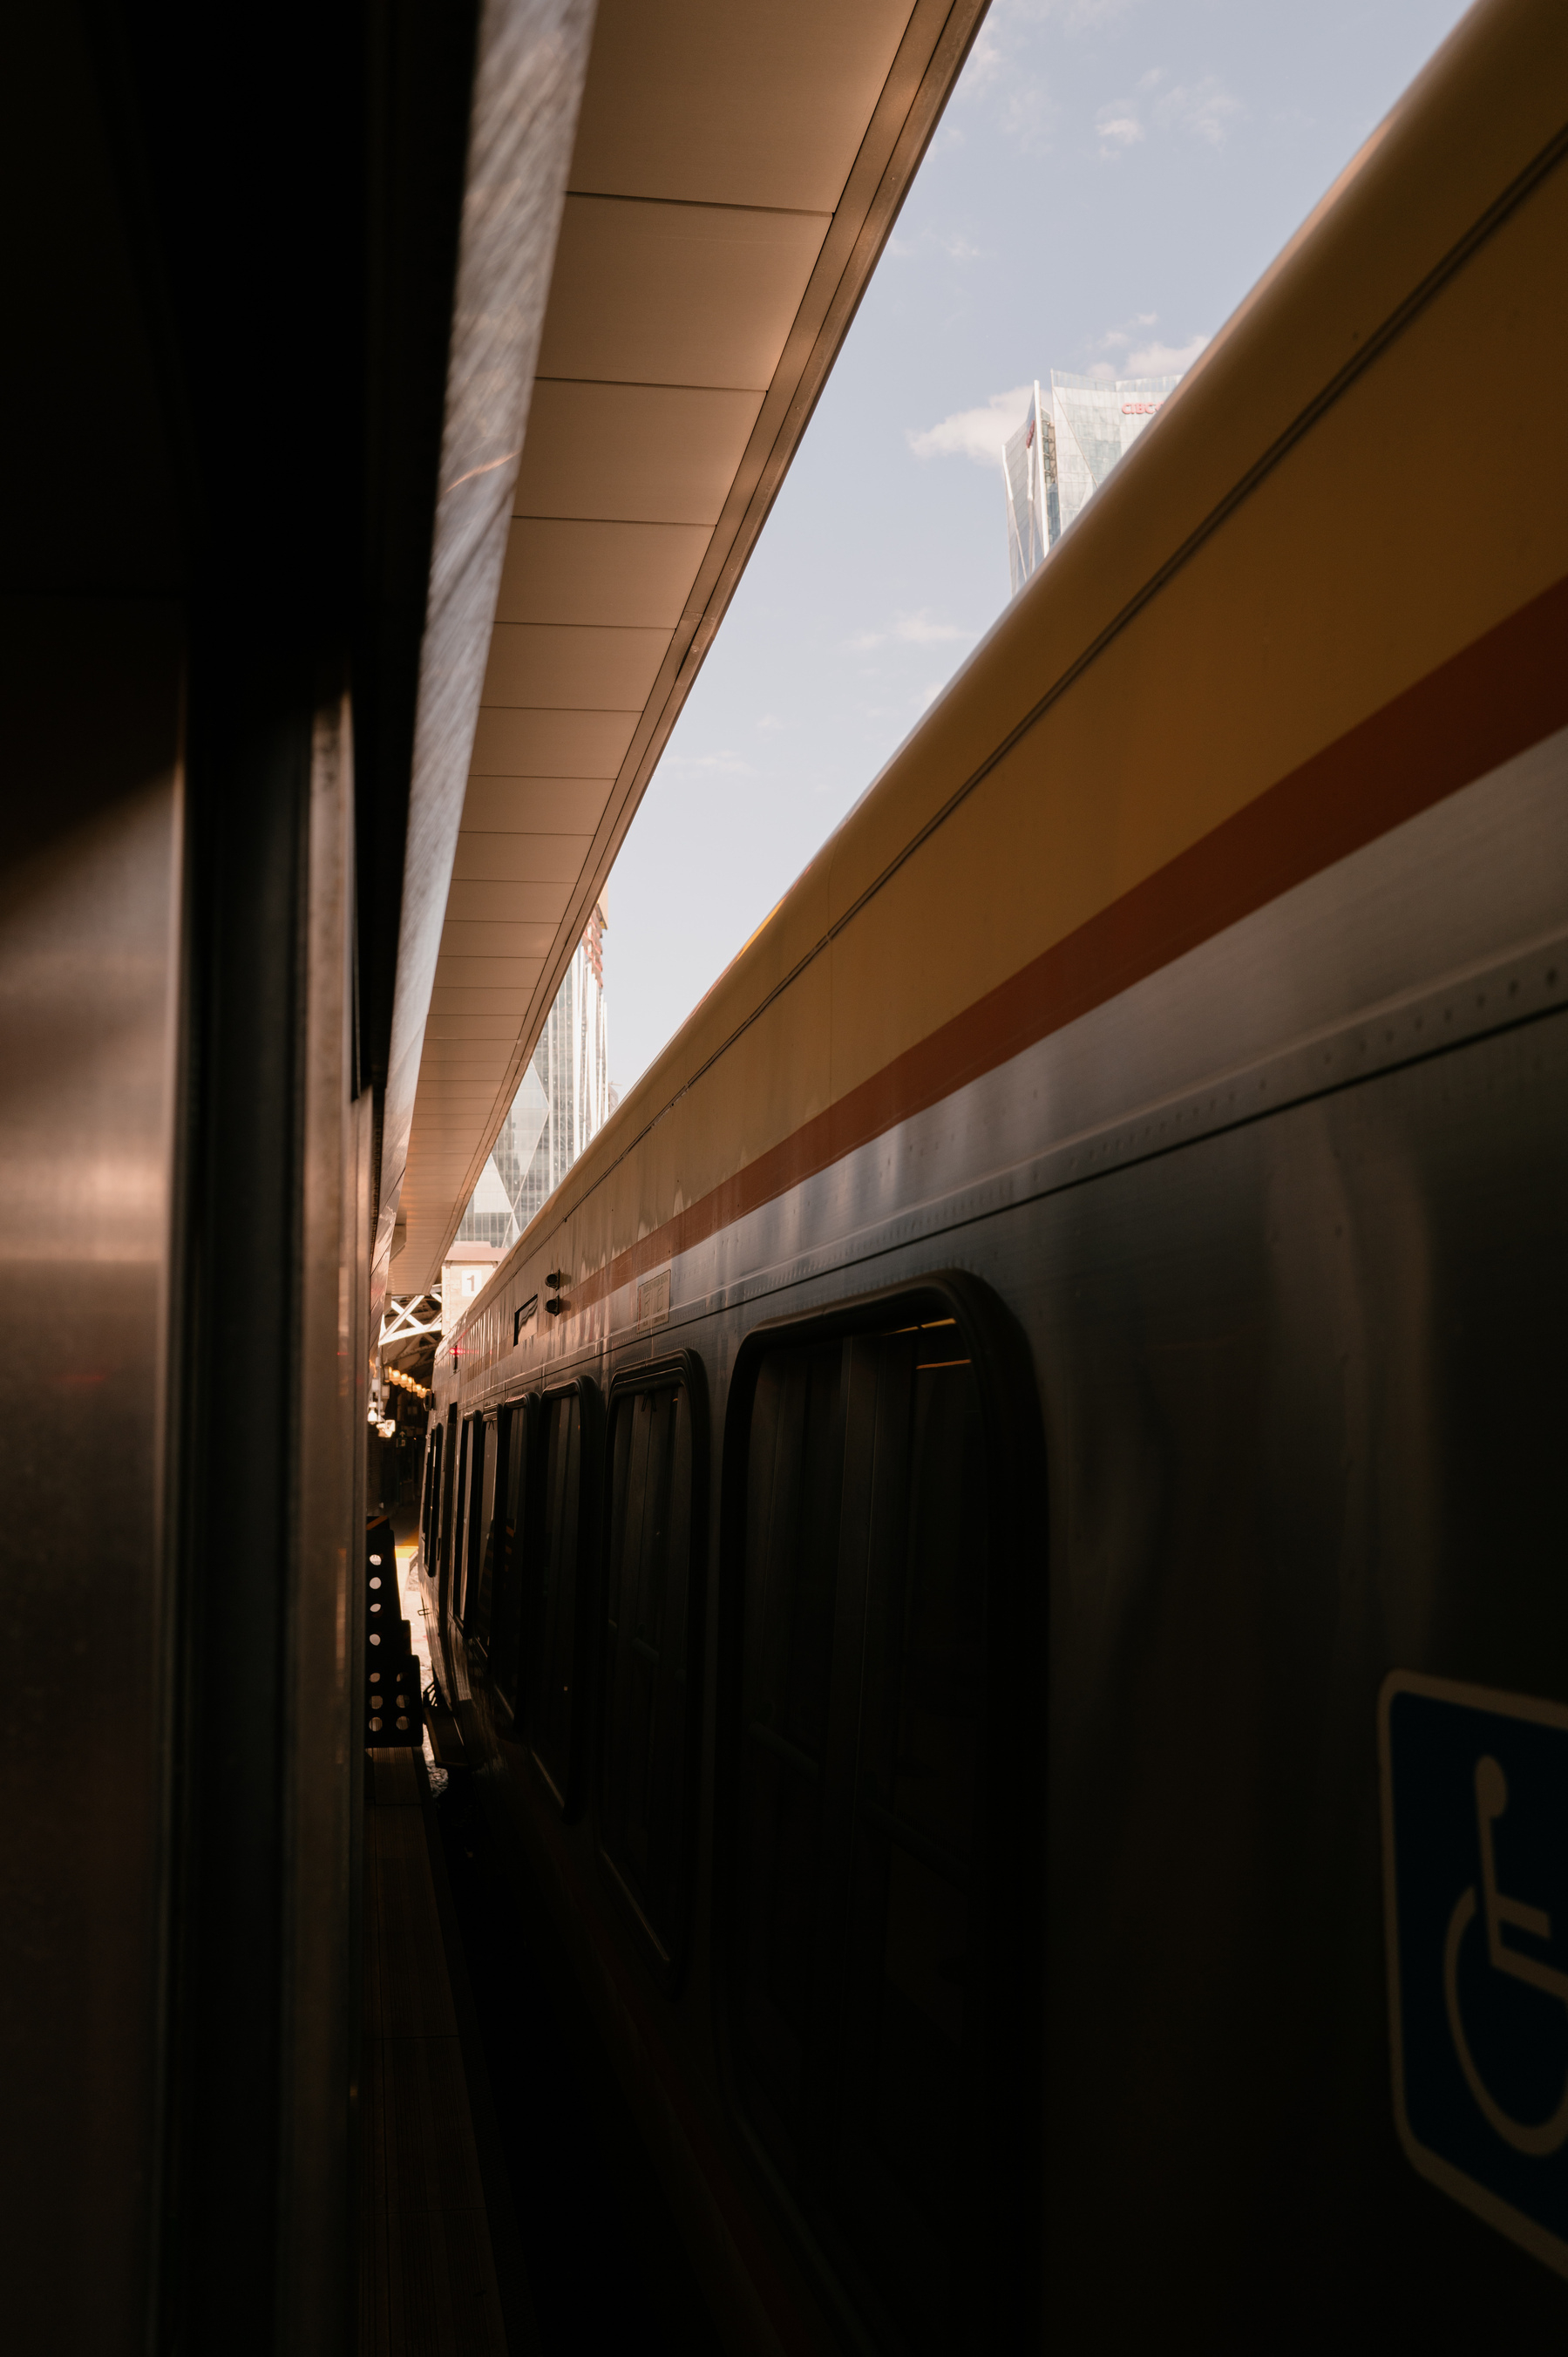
[{"x": 1476, "y": 1896}]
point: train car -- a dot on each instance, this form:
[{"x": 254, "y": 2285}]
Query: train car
[{"x": 945, "y": 1535}]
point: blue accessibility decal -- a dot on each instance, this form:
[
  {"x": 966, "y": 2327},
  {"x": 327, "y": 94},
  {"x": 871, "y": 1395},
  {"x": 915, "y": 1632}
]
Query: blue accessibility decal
[{"x": 1476, "y": 1898}]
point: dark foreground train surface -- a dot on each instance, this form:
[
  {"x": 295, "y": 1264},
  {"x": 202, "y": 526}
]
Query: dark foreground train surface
[
  {"x": 998, "y": 1546},
  {"x": 996, "y": 1550},
  {"x": 320, "y": 326}
]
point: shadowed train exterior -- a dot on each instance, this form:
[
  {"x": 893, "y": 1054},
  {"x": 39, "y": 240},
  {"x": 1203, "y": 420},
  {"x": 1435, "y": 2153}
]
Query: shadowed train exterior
[{"x": 918, "y": 1528}]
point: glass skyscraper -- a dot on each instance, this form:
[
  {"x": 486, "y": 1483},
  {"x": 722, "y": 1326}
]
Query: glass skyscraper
[
  {"x": 563, "y": 1099},
  {"x": 1067, "y": 444}
]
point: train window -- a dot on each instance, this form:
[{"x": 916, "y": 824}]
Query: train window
[
  {"x": 875, "y": 1553},
  {"x": 557, "y": 1550},
  {"x": 481, "y": 1568},
  {"x": 437, "y": 1470},
  {"x": 425, "y": 1495},
  {"x": 504, "y": 1629},
  {"x": 656, "y": 1493},
  {"x": 432, "y": 1490},
  {"x": 452, "y": 1596},
  {"x": 465, "y": 1577},
  {"x": 446, "y": 1497},
  {"x": 491, "y": 1528}
]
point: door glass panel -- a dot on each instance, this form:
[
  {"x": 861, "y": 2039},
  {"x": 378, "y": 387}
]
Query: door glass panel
[
  {"x": 468, "y": 1527},
  {"x": 794, "y": 1478},
  {"x": 862, "y": 1705},
  {"x": 552, "y": 1662},
  {"x": 477, "y": 1620},
  {"x": 452, "y": 1537},
  {"x": 642, "y": 1797},
  {"x": 512, "y": 1523},
  {"x": 900, "y": 2163}
]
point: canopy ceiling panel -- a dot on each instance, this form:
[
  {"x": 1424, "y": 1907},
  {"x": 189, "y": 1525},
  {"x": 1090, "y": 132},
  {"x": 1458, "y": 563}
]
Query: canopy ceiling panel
[
  {"x": 620, "y": 576},
  {"x": 634, "y": 453},
  {"x": 677, "y": 295},
  {"x": 525, "y": 856},
  {"x": 710, "y": 103},
  {"x": 589, "y": 666},
  {"x": 561, "y": 744},
  {"x": 736, "y": 173}
]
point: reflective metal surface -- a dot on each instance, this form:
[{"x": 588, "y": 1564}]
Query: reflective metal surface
[
  {"x": 1330, "y": 979},
  {"x": 1282, "y": 1230},
  {"x": 233, "y": 256},
  {"x": 324, "y": 1710},
  {"x": 89, "y": 995},
  {"x": 533, "y": 55}
]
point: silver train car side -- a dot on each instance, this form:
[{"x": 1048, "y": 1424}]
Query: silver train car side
[{"x": 947, "y": 1535}]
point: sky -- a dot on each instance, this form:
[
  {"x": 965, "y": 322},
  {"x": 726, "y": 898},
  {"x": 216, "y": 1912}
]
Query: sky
[{"x": 1109, "y": 180}]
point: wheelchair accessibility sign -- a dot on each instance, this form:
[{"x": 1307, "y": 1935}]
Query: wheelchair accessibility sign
[{"x": 1475, "y": 1789}]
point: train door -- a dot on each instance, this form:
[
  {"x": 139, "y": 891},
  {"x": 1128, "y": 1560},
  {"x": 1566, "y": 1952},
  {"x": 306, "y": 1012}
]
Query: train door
[
  {"x": 876, "y": 1555},
  {"x": 649, "y": 1640},
  {"x": 429, "y": 1500},
  {"x": 452, "y": 1553},
  {"x": 503, "y": 1608},
  {"x": 445, "y": 1501},
  {"x": 465, "y": 1558},
  {"x": 558, "y": 1551},
  {"x": 489, "y": 1475}
]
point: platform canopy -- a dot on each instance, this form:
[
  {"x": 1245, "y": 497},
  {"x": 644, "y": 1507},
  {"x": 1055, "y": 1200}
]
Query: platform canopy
[{"x": 735, "y": 172}]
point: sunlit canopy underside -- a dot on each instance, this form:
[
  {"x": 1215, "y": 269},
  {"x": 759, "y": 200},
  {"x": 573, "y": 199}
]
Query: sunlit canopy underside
[{"x": 735, "y": 172}]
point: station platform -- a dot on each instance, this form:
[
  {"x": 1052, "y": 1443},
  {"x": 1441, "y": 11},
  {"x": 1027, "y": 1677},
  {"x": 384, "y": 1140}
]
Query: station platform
[
  {"x": 429, "y": 2283},
  {"x": 507, "y": 2205}
]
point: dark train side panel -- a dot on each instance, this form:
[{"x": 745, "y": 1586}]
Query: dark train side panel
[
  {"x": 1304, "y": 1391},
  {"x": 1302, "y": 1386}
]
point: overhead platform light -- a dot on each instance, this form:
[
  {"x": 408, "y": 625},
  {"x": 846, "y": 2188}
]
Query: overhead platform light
[{"x": 736, "y": 174}]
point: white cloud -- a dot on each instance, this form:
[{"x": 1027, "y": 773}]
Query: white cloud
[
  {"x": 724, "y": 764},
  {"x": 1072, "y": 15},
  {"x": 1204, "y": 109},
  {"x": 1164, "y": 359},
  {"x": 769, "y": 721},
  {"x": 1003, "y": 76},
  {"x": 1129, "y": 350},
  {"x": 976, "y": 434},
  {"x": 1115, "y": 343},
  {"x": 953, "y": 244},
  {"x": 1027, "y": 113},
  {"x": 985, "y": 61},
  {"x": 920, "y": 630},
  {"x": 999, "y": 79},
  {"x": 913, "y": 630},
  {"x": 1117, "y": 131}
]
